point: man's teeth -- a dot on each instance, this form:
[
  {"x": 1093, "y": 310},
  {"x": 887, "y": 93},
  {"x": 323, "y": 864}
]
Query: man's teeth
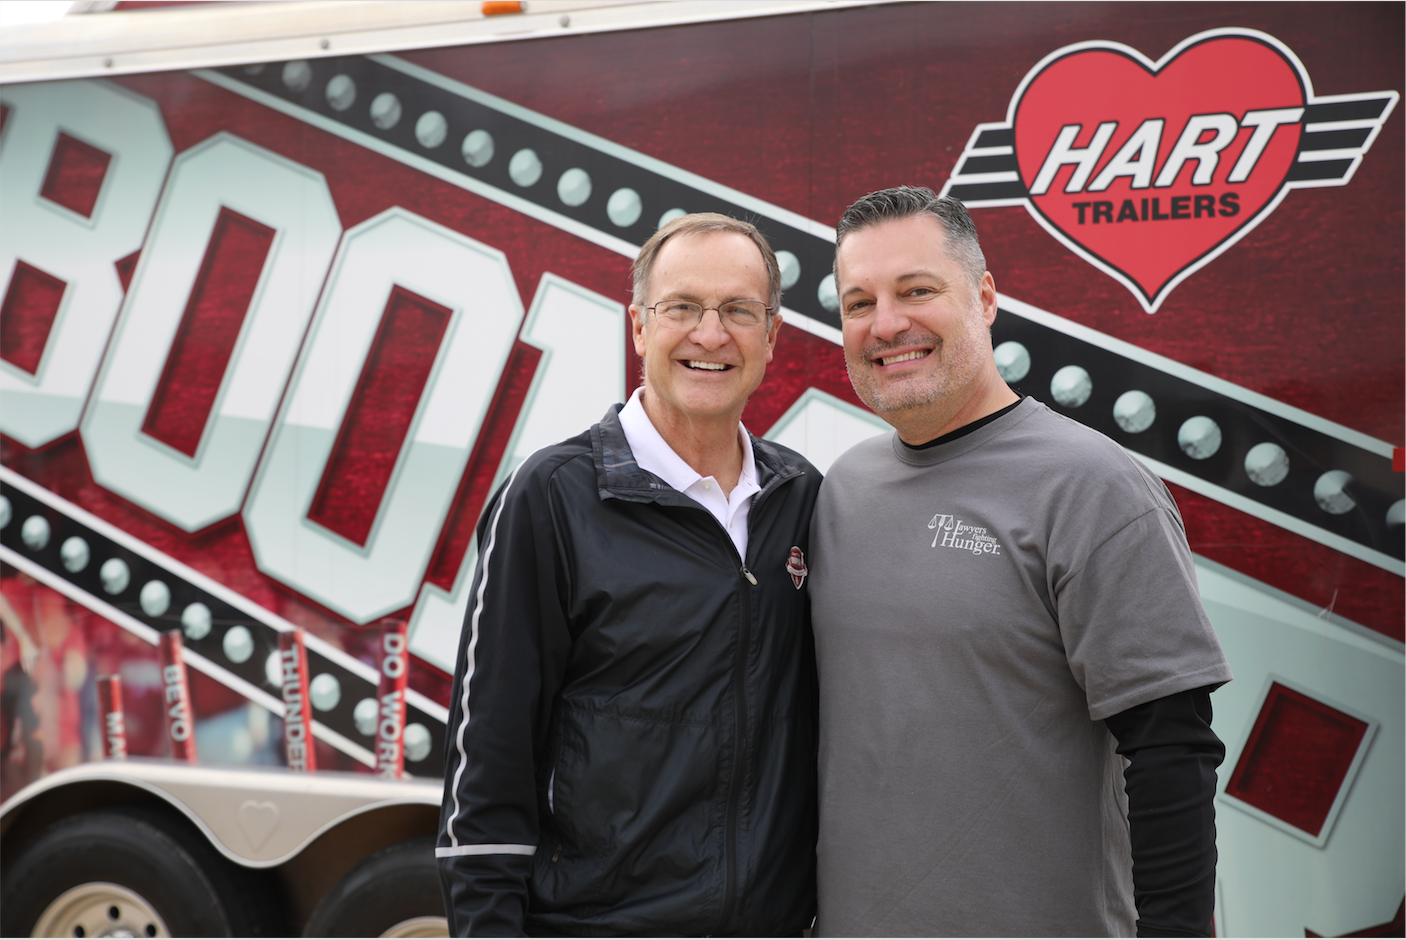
[
  {"x": 915, "y": 354},
  {"x": 709, "y": 366}
]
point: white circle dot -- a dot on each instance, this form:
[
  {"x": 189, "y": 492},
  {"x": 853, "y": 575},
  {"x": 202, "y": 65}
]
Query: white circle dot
[
  {"x": 325, "y": 692},
  {"x": 74, "y": 554},
  {"x": 1134, "y": 411},
  {"x": 297, "y": 75},
  {"x": 790, "y": 267},
  {"x": 6, "y": 512},
  {"x": 827, "y": 295},
  {"x": 385, "y": 110},
  {"x": 155, "y": 598},
  {"x": 238, "y": 644},
  {"x": 115, "y": 575},
  {"x": 195, "y": 619},
  {"x": 431, "y": 129},
  {"x": 273, "y": 670},
  {"x": 1071, "y": 386},
  {"x": 1396, "y": 515},
  {"x": 1012, "y": 361},
  {"x": 417, "y": 742},
  {"x": 670, "y": 216},
  {"x": 1267, "y": 464},
  {"x": 624, "y": 207},
  {"x": 35, "y": 533},
  {"x": 341, "y": 92},
  {"x": 365, "y": 715},
  {"x": 477, "y": 148},
  {"x": 1331, "y": 492},
  {"x": 574, "y": 187},
  {"x": 1199, "y": 437},
  {"x": 525, "y": 168}
]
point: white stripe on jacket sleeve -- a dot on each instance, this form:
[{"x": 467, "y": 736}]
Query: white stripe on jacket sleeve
[{"x": 454, "y": 848}]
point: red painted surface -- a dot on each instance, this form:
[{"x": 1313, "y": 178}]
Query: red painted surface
[
  {"x": 126, "y": 267},
  {"x": 208, "y": 332},
  {"x": 27, "y": 316},
  {"x": 1322, "y": 576},
  {"x": 75, "y": 177},
  {"x": 487, "y": 454},
  {"x": 1296, "y": 758},
  {"x": 815, "y": 138},
  {"x": 772, "y": 108},
  {"x": 379, "y": 416}
]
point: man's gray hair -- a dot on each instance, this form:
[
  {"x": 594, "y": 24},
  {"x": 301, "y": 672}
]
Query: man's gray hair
[
  {"x": 706, "y": 223},
  {"x": 904, "y": 202}
]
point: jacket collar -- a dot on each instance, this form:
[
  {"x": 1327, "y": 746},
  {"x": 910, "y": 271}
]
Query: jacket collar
[{"x": 618, "y": 476}]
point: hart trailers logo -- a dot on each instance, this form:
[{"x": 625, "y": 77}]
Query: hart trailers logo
[{"x": 1150, "y": 170}]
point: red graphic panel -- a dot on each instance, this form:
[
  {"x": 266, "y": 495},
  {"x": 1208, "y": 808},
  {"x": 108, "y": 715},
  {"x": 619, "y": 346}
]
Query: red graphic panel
[
  {"x": 379, "y": 416},
  {"x": 483, "y": 465},
  {"x": 126, "y": 267},
  {"x": 1167, "y": 186},
  {"x": 205, "y": 340},
  {"x": 1296, "y": 758},
  {"x": 27, "y": 316},
  {"x": 75, "y": 177}
]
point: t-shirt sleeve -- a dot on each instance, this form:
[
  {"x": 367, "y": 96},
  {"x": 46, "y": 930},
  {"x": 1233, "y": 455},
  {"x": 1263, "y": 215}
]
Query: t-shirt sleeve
[{"x": 1131, "y": 618}]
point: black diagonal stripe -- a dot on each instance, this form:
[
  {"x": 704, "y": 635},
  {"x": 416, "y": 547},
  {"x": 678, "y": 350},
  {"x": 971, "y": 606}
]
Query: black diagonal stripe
[
  {"x": 658, "y": 192},
  {"x": 976, "y": 192},
  {"x": 1005, "y": 163},
  {"x": 996, "y": 137},
  {"x": 1318, "y": 170},
  {"x": 224, "y": 617},
  {"x": 1311, "y": 453},
  {"x": 1335, "y": 140},
  {"x": 1362, "y": 110}
]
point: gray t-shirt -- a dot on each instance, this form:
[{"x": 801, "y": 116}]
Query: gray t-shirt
[{"x": 979, "y": 607}]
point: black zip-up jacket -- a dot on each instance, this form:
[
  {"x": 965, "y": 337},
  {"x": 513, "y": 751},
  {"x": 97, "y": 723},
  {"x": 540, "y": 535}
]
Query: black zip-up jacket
[{"x": 632, "y": 737}]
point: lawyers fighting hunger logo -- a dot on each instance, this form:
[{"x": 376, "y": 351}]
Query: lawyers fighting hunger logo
[{"x": 1149, "y": 170}]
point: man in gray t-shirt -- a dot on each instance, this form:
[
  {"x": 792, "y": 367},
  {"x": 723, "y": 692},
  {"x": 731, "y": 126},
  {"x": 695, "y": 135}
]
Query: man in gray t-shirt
[{"x": 1015, "y": 667}]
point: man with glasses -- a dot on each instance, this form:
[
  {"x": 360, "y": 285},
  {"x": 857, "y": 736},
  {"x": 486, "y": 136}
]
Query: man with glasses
[{"x": 632, "y": 737}]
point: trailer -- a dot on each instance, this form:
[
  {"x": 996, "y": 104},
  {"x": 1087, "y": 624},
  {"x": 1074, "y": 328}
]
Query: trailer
[{"x": 290, "y": 288}]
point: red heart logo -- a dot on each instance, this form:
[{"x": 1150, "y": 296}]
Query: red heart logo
[{"x": 1152, "y": 169}]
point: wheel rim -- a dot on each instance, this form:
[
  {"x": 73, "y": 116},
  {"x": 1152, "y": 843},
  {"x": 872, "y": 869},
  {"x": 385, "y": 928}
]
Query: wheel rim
[
  {"x": 102, "y": 909},
  {"x": 420, "y": 927}
]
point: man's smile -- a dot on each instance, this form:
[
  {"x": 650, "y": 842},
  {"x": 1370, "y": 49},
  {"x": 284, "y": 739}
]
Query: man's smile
[
  {"x": 902, "y": 357},
  {"x": 706, "y": 366}
]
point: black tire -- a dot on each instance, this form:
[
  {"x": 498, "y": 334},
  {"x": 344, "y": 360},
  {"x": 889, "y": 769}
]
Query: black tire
[
  {"x": 393, "y": 887},
  {"x": 169, "y": 867}
]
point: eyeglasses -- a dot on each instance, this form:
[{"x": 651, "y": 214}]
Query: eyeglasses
[{"x": 742, "y": 314}]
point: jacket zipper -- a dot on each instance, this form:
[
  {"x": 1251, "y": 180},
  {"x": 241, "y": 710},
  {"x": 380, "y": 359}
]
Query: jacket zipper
[
  {"x": 734, "y": 794},
  {"x": 744, "y": 640}
]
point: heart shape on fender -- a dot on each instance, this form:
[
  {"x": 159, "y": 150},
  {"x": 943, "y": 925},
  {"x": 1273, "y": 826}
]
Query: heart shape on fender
[
  {"x": 257, "y": 820},
  {"x": 1151, "y": 170}
]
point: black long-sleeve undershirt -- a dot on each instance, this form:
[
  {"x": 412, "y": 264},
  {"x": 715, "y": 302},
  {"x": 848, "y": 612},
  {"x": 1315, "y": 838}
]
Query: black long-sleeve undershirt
[{"x": 1171, "y": 785}]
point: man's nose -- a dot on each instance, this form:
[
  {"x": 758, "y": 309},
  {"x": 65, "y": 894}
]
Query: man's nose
[
  {"x": 709, "y": 332},
  {"x": 890, "y": 318}
]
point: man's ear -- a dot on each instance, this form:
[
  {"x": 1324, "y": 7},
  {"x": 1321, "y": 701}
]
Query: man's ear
[
  {"x": 771, "y": 335},
  {"x": 637, "y": 318},
  {"x": 988, "y": 299}
]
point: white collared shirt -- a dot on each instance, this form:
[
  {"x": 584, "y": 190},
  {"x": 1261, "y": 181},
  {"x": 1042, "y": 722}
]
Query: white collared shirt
[{"x": 654, "y": 454}]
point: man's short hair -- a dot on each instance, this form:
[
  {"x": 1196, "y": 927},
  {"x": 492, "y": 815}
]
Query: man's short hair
[
  {"x": 903, "y": 202},
  {"x": 703, "y": 223}
]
